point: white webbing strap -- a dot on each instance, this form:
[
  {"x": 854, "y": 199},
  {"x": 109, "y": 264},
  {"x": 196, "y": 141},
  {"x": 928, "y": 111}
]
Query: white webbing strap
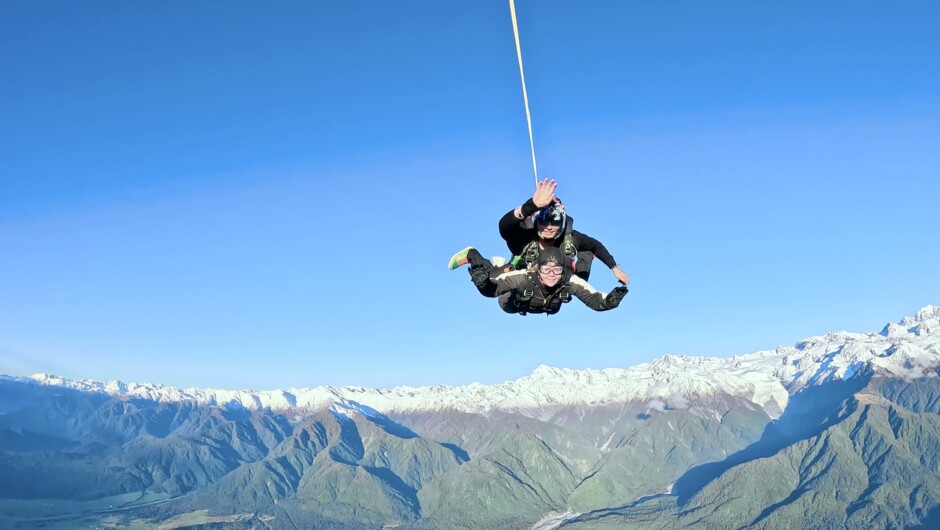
[{"x": 525, "y": 96}]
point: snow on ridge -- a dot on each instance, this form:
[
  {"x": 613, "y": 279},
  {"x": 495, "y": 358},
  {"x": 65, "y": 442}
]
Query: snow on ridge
[
  {"x": 908, "y": 349},
  {"x": 925, "y": 322},
  {"x": 313, "y": 398},
  {"x": 927, "y": 313}
]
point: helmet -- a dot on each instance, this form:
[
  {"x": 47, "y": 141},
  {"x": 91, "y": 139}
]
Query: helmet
[
  {"x": 552, "y": 256},
  {"x": 552, "y": 214}
]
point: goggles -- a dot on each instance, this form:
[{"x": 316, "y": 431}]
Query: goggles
[
  {"x": 551, "y": 217},
  {"x": 550, "y": 269}
]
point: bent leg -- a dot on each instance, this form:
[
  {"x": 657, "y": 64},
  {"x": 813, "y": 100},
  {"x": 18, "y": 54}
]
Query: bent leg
[
  {"x": 480, "y": 271},
  {"x": 582, "y": 268}
]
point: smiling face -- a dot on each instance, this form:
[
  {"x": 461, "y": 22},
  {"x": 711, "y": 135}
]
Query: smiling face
[
  {"x": 549, "y": 231},
  {"x": 550, "y": 274},
  {"x": 549, "y": 221}
]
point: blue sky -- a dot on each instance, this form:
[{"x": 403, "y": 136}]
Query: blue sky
[{"x": 240, "y": 195}]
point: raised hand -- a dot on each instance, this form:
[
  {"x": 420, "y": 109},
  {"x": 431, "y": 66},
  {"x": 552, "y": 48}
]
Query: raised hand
[{"x": 544, "y": 193}]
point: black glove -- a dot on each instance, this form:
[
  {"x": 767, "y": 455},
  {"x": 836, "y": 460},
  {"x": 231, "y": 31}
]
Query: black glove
[
  {"x": 615, "y": 296},
  {"x": 480, "y": 276}
]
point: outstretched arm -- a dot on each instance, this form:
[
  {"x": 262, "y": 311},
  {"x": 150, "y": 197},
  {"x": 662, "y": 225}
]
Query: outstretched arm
[
  {"x": 620, "y": 275},
  {"x": 593, "y": 298},
  {"x": 588, "y": 243}
]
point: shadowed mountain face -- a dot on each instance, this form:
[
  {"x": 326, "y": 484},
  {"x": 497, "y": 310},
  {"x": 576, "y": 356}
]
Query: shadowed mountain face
[
  {"x": 861, "y": 453},
  {"x": 854, "y": 453},
  {"x": 90, "y": 446}
]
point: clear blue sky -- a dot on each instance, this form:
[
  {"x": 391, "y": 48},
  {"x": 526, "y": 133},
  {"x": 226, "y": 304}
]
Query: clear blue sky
[{"x": 247, "y": 195}]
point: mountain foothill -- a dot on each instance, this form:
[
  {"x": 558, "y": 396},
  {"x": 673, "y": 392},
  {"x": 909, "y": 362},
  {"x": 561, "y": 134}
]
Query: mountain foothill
[{"x": 837, "y": 431}]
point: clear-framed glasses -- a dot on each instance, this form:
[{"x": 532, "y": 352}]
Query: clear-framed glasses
[{"x": 550, "y": 269}]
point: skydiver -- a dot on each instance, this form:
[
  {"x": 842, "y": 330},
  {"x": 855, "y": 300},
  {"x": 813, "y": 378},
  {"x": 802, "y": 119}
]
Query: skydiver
[
  {"x": 551, "y": 284},
  {"x": 541, "y": 222}
]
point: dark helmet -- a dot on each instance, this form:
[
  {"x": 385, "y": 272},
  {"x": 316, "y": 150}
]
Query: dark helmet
[
  {"x": 552, "y": 256},
  {"x": 553, "y": 214}
]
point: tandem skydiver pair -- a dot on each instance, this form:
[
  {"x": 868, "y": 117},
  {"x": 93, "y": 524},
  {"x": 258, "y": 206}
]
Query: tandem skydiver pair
[{"x": 550, "y": 264}]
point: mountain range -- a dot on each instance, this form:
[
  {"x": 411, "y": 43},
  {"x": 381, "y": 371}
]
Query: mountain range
[{"x": 836, "y": 431}]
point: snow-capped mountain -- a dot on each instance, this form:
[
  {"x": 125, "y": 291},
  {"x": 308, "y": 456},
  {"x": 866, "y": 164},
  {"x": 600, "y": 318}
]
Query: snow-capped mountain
[
  {"x": 836, "y": 431},
  {"x": 906, "y": 349}
]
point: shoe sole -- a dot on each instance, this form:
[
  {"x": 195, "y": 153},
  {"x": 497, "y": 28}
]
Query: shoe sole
[{"x": 455, "y": 261}]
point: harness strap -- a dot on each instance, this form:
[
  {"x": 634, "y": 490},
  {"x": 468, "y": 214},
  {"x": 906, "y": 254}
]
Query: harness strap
[
  {"x": 529, "y": 291},
  {"x": 530, "y": 253},
  {"x": 568, "y": 246}
]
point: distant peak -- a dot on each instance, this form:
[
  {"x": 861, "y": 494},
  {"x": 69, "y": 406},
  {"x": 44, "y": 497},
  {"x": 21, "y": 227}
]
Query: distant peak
[
  {"x": 925, "y": 322},
  {"x": 678, "y": 360},
  {"x": 543, "y": 370},
  {"x": 48, "y": 379},
  {"x": 928, "y": 313}
]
